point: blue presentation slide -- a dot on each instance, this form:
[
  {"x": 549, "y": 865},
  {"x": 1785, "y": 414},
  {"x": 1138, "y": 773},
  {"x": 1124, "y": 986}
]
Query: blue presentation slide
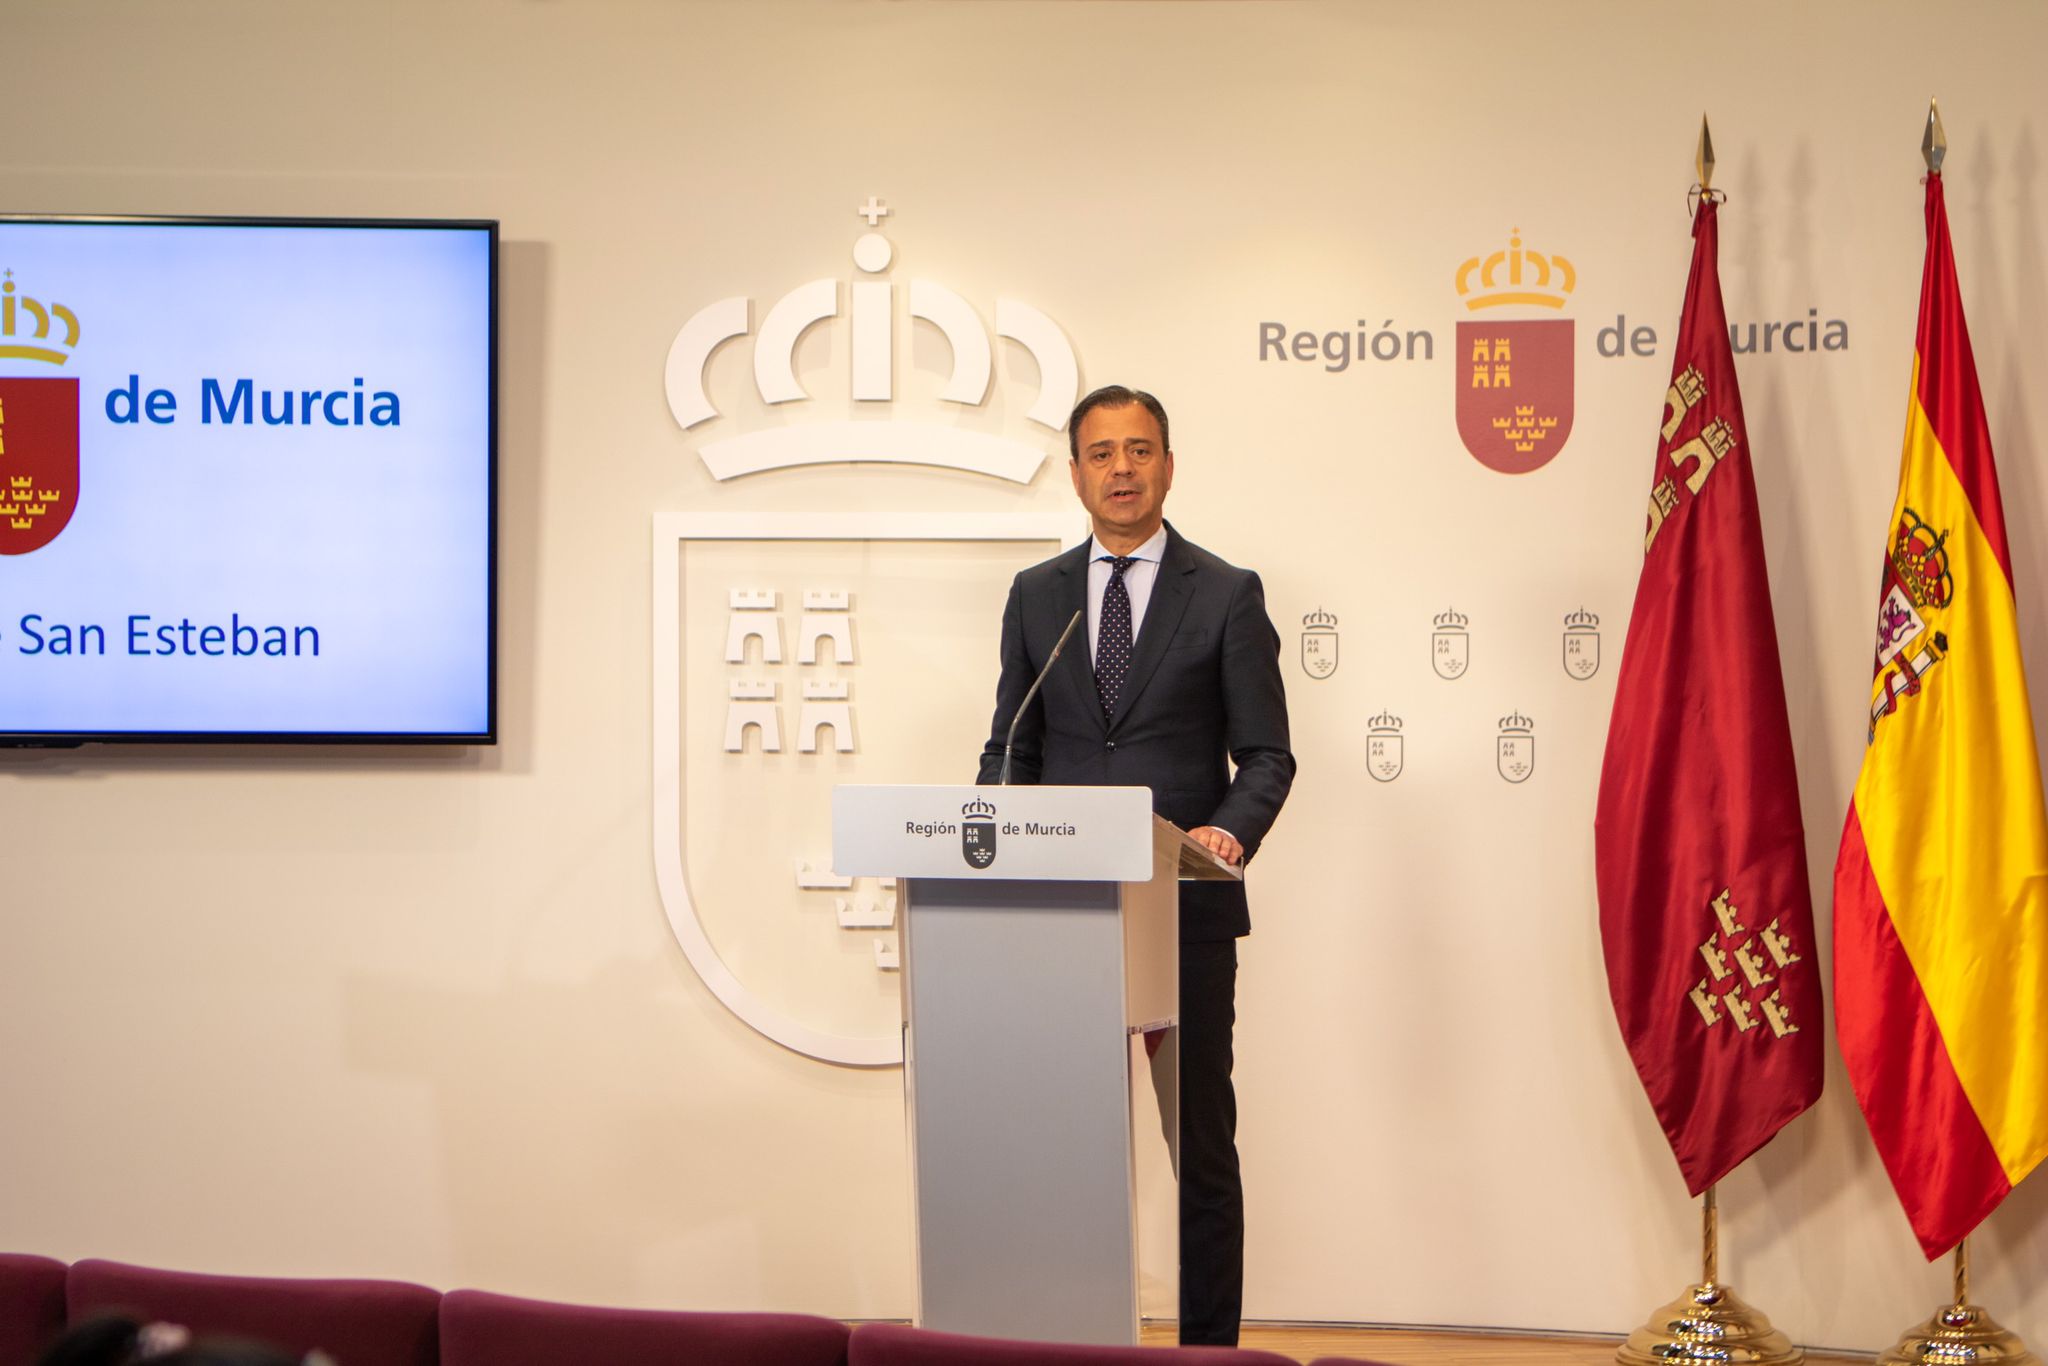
[{"x": 245, "y": 479}]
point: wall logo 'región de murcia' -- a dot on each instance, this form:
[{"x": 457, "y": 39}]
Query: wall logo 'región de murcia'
[
  {"x": 39, "y": 478},
  {"x": 1514, "y": 378},
  {"x": 869, "y": 414}
]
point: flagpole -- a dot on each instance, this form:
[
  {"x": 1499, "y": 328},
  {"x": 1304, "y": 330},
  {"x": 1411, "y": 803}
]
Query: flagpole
[{"x": 1710, "y": 1236}]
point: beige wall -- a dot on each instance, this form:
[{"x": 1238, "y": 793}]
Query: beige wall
[{"x": 422, "y": 1015}]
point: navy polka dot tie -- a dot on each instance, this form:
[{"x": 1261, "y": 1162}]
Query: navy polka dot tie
[{"x": 1113, "y": 635}]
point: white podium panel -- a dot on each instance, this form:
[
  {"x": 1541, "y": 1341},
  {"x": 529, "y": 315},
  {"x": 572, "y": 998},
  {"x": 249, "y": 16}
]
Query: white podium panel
[{"x": 1059, "y": 834}]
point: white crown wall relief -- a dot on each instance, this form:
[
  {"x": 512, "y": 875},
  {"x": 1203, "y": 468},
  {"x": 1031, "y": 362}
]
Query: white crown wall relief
[{"x": 872, "y": 314}]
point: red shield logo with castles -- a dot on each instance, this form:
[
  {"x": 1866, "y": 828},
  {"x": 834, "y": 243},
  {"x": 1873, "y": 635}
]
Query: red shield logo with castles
[
  {"x": 1514, "y": 377},
  {"x": 1515, "y": 391},
  {"x": 38, "y": 461}
]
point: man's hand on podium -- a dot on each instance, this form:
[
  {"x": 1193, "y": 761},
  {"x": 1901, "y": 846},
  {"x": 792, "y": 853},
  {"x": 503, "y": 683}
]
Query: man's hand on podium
[{"x": 1219, "y": 842}]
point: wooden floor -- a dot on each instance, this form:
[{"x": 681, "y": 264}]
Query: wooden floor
[{"x": 1432, "y": 1346}]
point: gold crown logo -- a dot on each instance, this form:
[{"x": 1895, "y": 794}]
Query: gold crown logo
[
  {"x": 12, "y": 306},
  {"x": 1516, "y": 276}
]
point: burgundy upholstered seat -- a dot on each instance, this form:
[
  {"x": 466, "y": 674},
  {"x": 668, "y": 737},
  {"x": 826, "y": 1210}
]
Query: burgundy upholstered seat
[
  {"x": 481, "y": 1329},
  {"x": 880, "y": 1344},
  {"x": 31, "y": 1306},
  {"x": 358, "y": 1323}
]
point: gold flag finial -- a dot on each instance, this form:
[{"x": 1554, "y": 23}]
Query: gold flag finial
[
  {"x": 1934, "y": 145},
  {"x": 1705, "y": 160}
]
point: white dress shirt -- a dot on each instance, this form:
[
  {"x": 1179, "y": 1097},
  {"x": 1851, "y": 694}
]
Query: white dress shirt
[{"x": 1138, "y": 580}]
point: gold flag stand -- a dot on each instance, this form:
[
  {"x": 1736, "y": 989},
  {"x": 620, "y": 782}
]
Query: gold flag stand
[
  {"x": 1710, "y": 1322},
  {"x": 1960, "y": 1334}
]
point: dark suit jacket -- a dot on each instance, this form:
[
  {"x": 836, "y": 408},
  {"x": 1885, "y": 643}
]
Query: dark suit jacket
[{"x": 1204, "y": 688}]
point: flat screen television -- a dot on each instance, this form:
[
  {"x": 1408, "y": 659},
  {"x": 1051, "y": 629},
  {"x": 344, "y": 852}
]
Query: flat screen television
[{"x": 248, "y": 472}]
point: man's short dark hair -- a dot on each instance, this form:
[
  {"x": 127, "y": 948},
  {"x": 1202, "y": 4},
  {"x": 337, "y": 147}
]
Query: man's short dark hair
[{"x": 1114, "y": 396}]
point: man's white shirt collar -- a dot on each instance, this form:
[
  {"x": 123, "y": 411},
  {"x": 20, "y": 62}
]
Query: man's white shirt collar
[{"x": 1154, "y": 548}]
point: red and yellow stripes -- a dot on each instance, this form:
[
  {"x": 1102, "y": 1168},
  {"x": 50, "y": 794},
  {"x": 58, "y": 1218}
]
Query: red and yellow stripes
[{"x": 1941, "y": 885}]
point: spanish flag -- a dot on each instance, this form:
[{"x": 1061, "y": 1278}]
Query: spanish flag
[{"x": 1941, "y": 885}]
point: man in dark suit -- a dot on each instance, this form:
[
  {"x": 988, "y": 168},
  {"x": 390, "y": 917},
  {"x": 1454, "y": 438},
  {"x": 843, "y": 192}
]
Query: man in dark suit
[{"x": 1180, "y": 680}]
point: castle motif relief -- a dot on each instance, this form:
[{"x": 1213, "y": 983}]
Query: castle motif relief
[{"x": 753, "y": 702}]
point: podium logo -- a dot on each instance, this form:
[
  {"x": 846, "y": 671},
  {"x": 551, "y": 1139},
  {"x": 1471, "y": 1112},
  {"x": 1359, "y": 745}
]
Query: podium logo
[
  {"x": 978, "y": 833},
  {"x": 38, "y": 425},
  {"x": 1514, "y": 378},
  {"x": 873, "y": 317}
]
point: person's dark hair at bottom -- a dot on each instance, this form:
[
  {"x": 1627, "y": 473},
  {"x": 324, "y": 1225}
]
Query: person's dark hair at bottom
[{"x": 121, "y": 1340}]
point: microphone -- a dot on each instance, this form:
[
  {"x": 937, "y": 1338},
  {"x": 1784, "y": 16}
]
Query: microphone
[{"x": 1010, "y": 740}]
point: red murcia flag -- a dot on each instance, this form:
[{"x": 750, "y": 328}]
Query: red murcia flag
[
  {"x": 38, "y": 461},
  {"x": 1514, "y": 391},
  {"x": 1706, "y": 919}
]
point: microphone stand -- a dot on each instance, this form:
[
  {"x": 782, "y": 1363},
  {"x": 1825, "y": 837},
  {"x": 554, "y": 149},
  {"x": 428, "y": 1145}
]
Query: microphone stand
[{"x": 1010, "y": 740}]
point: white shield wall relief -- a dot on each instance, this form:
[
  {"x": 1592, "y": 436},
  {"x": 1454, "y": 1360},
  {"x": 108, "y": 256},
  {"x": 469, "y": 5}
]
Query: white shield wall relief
[
  {"x": 1450, "y": 644},
  {"x": 1581, "y": 645},
  {"x": 1383, "y": 748},
  {"x": 866, "y": 650},
  {"x": 1515, "y": 748}
]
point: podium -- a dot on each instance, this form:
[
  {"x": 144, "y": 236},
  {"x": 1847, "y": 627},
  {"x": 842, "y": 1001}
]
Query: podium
[{"x": 1040, "y": 930}]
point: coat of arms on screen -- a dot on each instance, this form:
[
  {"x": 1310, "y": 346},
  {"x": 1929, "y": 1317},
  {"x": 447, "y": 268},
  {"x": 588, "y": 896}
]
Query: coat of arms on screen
[
  {"x": 1514, "y": 377},
  {"x": 38, "y": 423}
]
